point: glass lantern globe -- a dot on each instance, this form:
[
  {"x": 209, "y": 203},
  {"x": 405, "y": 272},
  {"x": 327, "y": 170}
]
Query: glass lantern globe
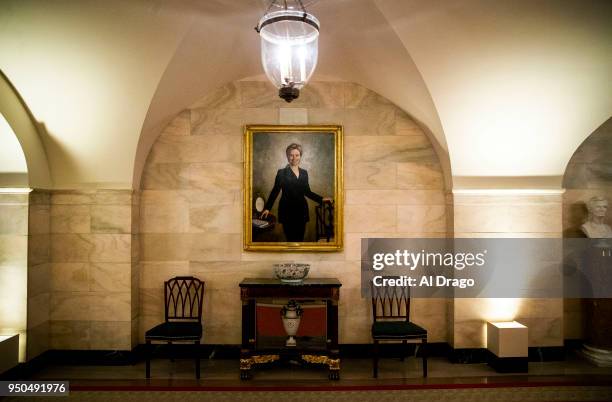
[{"x": 289, "y": 49}]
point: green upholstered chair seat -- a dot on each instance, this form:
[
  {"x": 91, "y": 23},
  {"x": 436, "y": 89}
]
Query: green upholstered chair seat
[
  {"x": 176, "y": 331},
  {"x": 397, "y": 329}
]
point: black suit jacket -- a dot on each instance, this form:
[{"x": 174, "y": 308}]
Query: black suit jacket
[{"x": 292, "y": 207}]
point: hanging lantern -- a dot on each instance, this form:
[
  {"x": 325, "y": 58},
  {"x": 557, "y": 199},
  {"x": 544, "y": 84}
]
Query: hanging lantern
[{"x": 289, "y": 46}]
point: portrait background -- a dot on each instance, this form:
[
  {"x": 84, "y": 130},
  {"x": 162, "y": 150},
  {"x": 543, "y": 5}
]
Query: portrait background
[{"x": 317, "y": 158}]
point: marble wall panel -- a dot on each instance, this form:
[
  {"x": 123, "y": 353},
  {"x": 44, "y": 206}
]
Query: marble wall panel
[
  {"x": 154, "y": 273},
  {"x": 469, "y": 333},
  {"x": 72, "y": 197},
  {"x": 229, "y": 122},
  {"x": 389, "y": 148},
  {"x": 420, "y": 176},
  {"x": 357, "y": 96},
  {"x": 111, "y": 219},
  {"x": 134, "y": 338},
  {"x": 13, "y": 249},
  {"x": 39, "y": 278},
  {"x": 38, "y": 340},
  {"x": 166, "y": 176},
  {"x": 105, "y": 335},
  {"x": 326, "y": 116},
  {"x": 217, "y": 176},
  {"x": 370, "y": 121},
  {"x": 213, "y": 196},
  {"x": 376, "y": 175},
  {"x": 196, "y": 148},
  {"x": 70, "y": 306},
  {"x": 95, "y": 248},
  {"x": 110, "y": 277},
  {"x": 135, "y": 292},
  {"x": 136, "y": 201},
  {"x": 356, "y": 317},
  {"x": 13, "y": 218},
  {"x": 38, "y": 311},
  {"x": 394, "y": 197},
  {"x": 506, "y": 215},
  {"x": 111, "y": 248},
  {"x": 544, "y": 331},
  {"x": 378, "y": 139},
  {"x": 70, "y": 218},
  {"x": 165, "y": 247},
  {"x": 39, "y": 273},
  {"x": 225, "y": 97},
  {"x": 215, "y": 219},
  {"x": 371, "y": 219},
  {"x": 405, "y": 125},
  {"x": 589, "y": 175},
  {"x": 256, "y": 94},
  {"x": 221, "y": 318},
  {"x": 72, "y": 335},
  {"x": 180, "y": 125},
  {"x": 113, "y": 197},
  {"x": 69, "y": 277},
  {"x": 164, "y": 218},
  {"x": 152, "y": 302},
  {"x": 39, "y": 220},
  {"x": 14, "y": 198},
  {"x": 91, "y": 253},
  {"x": 110, "y": 306},
  {"x": 215, "y": 247},
  {"x": 421, "y": 219}
]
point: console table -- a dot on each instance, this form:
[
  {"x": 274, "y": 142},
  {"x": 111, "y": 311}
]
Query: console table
[{"x": 254, "y": 290}]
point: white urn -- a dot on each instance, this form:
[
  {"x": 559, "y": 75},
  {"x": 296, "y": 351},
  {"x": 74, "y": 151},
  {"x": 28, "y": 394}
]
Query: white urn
[{"x": 291, "y": 315}]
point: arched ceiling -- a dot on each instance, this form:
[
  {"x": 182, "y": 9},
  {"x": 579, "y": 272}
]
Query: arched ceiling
[
  {"x": 518, "y": 85},
  {"x": 505, "y": 89}
]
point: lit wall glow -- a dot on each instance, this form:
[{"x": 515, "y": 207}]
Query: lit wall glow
[
  {"x": 12, "y": 159},
  {"x": 501, "y": 309}
]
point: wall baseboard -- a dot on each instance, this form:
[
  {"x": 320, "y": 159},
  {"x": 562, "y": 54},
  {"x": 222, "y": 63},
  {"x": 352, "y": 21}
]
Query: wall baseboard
[{"x": 209, "y": 351}]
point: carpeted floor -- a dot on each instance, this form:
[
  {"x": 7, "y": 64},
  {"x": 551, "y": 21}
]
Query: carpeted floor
[{"x": 479, "y": 394}]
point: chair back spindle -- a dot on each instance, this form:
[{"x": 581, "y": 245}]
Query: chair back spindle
[
  {"x": 183, "y": 297},
  {"x": 391, "y": 302}
]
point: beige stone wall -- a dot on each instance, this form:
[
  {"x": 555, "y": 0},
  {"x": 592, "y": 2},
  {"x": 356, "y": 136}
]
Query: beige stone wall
[
  {"x": 498, "y": 214},
  {"x": 14, "y": 267},
  {"x": 191, "y": 201},
  {"x": 91, "y": 270},
  {"x": 589, "y": 173},
  {"x": 39, "y": 279}
]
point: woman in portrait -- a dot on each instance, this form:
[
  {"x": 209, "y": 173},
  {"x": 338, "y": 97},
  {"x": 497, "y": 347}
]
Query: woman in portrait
[{"x": 292, "y": 207}]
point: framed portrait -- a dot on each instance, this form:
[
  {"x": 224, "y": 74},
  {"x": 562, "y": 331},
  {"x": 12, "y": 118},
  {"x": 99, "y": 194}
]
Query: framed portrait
[{"x": 293, "y": 198}]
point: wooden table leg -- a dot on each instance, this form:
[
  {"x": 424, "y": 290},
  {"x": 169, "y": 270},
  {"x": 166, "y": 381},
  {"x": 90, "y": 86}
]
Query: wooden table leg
[
  {"x": 332, "y": 339},
  {"x": 248, "y": 338}
]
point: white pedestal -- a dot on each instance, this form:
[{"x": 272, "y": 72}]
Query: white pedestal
[
  {"x": 507, "y": 343},
  {"x": 9, "y": 352}
]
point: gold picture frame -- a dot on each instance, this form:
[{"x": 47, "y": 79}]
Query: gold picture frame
[{"x": 268, "y": 169}]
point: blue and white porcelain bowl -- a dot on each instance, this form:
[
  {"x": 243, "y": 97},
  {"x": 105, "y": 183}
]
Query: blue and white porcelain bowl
[{"x": 291, "y": 272}]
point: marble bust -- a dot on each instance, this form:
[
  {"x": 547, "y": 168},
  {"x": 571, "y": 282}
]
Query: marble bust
[{"x": 595, "y": 226}]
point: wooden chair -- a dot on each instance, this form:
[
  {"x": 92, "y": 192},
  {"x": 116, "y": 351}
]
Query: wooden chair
[
  {"x": 391, "y": 313},
  {"x": 183, "y": 297},
  {"x": 324, "y": 221}
]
